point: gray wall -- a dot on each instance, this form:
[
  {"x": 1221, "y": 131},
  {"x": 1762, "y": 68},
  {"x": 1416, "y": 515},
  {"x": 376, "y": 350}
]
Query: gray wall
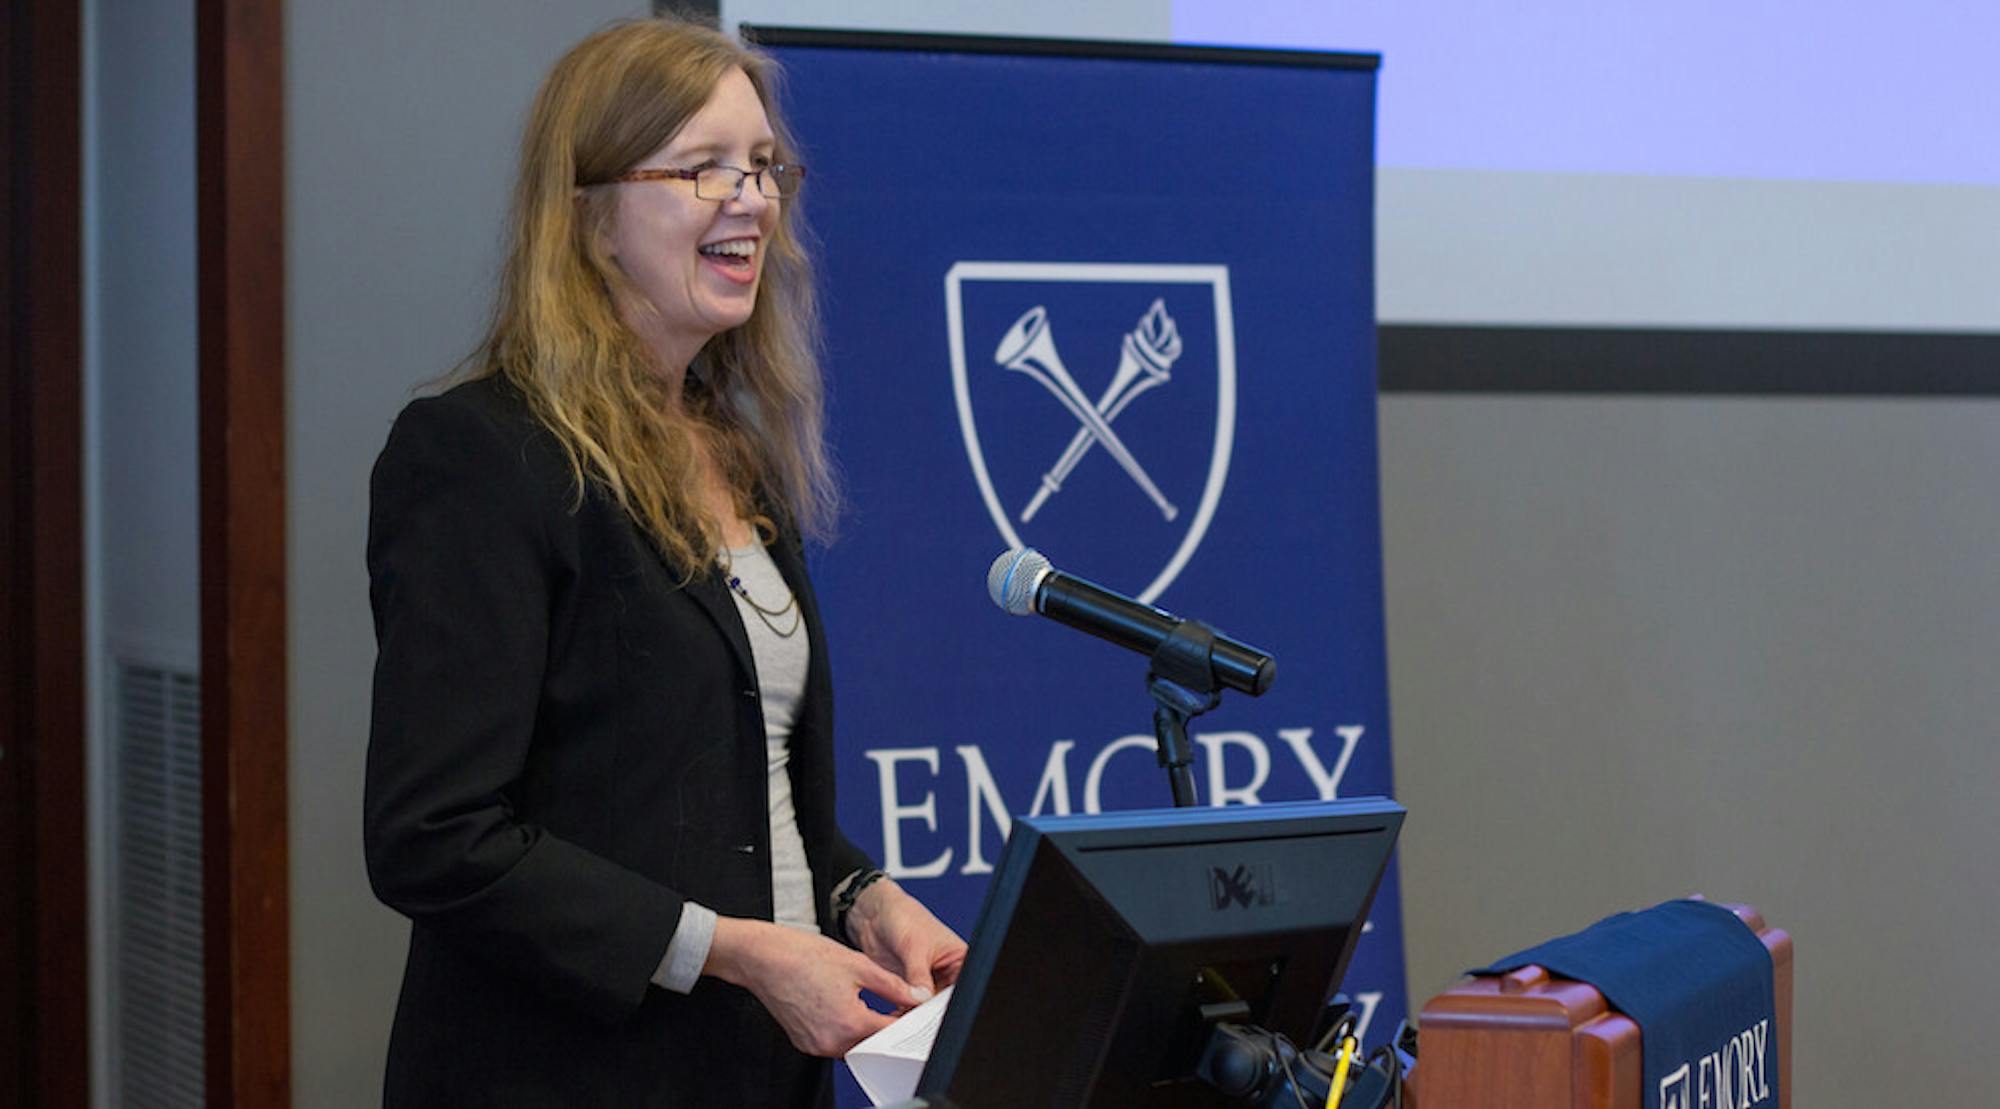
[
  {"x": 141, "y": 258},
  {"x": 1145, "y": 20},
  {"x": 1638, "y": 647},
  {"x": 1647, "y": 647},
  {"x": 1460, "y": 246},
  {"x": 141, "y": 466}
]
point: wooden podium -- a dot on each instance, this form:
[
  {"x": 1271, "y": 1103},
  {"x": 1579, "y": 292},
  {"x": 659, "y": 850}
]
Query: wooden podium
[{"x": 1531, "y": 1041}]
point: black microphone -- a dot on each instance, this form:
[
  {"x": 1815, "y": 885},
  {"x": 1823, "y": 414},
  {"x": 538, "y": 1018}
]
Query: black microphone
[{"x": 1022, "y": 581}]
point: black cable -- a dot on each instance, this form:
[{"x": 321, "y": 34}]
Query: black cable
[
  {"x": 1279, "y": 1045},
  {"x": 1341, "y": 1028},
  {"x": 1392, "y": 1072}
]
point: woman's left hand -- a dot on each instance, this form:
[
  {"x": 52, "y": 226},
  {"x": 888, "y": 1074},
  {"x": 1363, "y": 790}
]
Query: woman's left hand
[{"x": 900, "y": 935}]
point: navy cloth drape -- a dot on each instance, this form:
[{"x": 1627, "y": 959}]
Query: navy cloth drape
[{"x": 1697, "y": 981}]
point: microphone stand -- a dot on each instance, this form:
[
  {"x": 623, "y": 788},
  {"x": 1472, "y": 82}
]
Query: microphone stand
[
  {"x": 1183, "y": 686},
  {"x": 1246, "y": 1064}
]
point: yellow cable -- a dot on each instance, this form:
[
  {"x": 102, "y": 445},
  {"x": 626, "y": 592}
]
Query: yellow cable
[{"x": 1347, "y": 1049}]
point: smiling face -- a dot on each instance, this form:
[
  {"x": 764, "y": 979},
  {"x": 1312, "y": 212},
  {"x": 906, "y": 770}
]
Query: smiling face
[{"x": 696, "y": 262}]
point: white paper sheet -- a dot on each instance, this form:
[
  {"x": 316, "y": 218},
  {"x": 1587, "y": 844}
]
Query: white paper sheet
[{"x": 888, "y": 1064}]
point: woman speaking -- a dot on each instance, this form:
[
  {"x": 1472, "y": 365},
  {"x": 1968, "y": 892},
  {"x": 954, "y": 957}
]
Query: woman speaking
[{"x": 600, "y": 773}]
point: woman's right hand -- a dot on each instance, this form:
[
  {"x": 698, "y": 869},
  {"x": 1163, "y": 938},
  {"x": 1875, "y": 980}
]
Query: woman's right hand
[{"x": 809, "y": 983}]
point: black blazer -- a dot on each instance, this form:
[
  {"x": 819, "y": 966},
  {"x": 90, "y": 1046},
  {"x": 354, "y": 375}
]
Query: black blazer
[{"x": 566, "y": 746}]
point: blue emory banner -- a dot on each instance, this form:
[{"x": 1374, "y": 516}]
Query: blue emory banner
[{"x": 1120, "y": 309}]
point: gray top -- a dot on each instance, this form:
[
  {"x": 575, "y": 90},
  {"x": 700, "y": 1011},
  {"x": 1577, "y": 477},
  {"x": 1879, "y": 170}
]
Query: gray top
[{"x": 781, "y": 651}]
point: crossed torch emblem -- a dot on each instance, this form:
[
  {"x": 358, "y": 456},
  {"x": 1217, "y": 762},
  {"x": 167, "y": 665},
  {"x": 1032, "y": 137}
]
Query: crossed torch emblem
[{"x": 1144, "y": 356}]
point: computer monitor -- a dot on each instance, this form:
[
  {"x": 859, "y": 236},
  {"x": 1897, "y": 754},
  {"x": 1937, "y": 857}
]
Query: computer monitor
[{"x": 1103, "y": 936}]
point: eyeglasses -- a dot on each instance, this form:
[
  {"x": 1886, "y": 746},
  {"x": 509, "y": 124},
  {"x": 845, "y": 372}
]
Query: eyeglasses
[{"x": 726, "y": 182}]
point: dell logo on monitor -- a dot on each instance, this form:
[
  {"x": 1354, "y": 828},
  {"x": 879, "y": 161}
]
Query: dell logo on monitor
[{"x": 1246, "y": 885}]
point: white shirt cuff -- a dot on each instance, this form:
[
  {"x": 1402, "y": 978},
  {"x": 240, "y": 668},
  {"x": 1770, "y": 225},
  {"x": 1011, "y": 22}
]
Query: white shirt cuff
[{"x": 687, "y": 952}]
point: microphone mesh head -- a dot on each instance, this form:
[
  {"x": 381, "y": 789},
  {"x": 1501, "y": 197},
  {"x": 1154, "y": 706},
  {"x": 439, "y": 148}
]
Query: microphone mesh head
[{"x": 1012, "y": 580}]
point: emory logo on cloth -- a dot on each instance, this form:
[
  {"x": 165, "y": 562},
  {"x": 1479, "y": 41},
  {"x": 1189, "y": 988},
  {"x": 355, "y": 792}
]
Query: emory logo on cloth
[
  {"x": 1245, "y": 885},
  {"x": 1674, "y": 1090},
  {"x": 1098, "y": 404},
  {"x": 1734, "y": 1076}
]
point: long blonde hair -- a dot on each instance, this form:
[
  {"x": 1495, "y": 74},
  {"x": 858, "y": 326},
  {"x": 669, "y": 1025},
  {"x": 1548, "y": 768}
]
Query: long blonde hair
[{"x": 557, "y": 337}]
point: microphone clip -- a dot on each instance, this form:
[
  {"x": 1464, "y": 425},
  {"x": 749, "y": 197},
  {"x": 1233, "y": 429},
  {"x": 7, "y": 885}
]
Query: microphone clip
[{"x": 1182, "y": 684}]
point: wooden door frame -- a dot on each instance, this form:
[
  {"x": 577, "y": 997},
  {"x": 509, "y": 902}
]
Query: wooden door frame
[
  {"x": 240, "y": 190},
  {"x": 44, "y": 1023},
  {"x": 44, "y": 1031}
]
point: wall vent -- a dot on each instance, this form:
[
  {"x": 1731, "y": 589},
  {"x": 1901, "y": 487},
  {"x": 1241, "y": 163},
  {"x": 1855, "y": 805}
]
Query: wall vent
[{"x": 156, "y": 972}]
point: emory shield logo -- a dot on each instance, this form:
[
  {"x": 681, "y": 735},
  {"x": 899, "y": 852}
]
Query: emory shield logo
[
  {"x": 1674, "y": 1090},
  {"x": 1098, "y": 406}
]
